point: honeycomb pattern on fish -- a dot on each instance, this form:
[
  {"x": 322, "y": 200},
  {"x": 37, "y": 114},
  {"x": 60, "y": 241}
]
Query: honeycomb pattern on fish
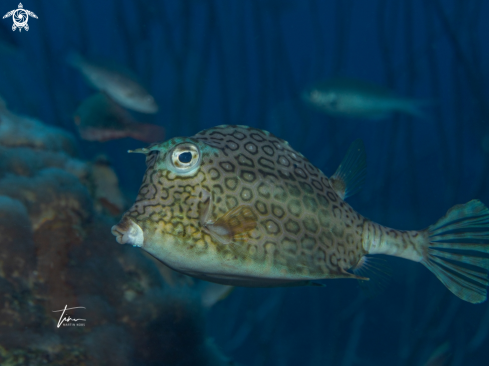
[
  {"x": 304, "y": 228},
  {"x": 236, "y": 205}
]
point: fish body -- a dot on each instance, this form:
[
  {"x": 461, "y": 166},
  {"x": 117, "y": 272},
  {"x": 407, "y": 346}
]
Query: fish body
[
  {"x": 358, "y": 99},
  {"x": 238, "y": 206},
  {"x": 98, "y": 118},
  {"x": 120, "y": 86}
]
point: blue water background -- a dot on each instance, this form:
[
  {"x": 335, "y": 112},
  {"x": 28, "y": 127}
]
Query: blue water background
[{"x": 213, "y": 62}]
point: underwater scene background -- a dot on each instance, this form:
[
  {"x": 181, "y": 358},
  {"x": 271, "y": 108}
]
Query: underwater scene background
[{"x": 242, "y": 62}]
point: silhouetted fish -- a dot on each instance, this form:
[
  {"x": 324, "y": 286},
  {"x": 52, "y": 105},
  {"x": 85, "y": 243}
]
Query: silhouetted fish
[
  {"x": 99, "y": 118},
  {"x": 359, "y": 99},
  {"x": 238, "y": 206},
  {"x": 119, "y": 85}
]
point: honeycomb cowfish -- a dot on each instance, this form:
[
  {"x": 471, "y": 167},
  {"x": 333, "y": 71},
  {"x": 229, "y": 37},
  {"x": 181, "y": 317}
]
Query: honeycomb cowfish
[
  {"x": 238, "y": 206},
  {"x": 99, "y": 118},
  {"x": 353, "y": 98},
  {"x": 118, "y": 83}
]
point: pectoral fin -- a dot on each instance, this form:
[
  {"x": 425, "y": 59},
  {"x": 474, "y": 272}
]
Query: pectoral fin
[
  {"x": 350, "y": 175},
  {"x": 233, "y": 225}
]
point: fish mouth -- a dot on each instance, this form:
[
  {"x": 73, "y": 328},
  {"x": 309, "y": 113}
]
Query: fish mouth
[{"x": 128, "y": 232}]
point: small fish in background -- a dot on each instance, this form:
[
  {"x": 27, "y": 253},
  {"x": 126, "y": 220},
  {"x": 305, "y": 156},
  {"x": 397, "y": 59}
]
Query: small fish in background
[
  {"x": 238, "y": 206},
  {"x": 359, "y": 99},
  {"x": 119, "y": 84},
  {"x": 98, "y": 118}
]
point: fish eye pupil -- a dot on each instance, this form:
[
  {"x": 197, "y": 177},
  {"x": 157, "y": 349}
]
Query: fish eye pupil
[{"x": 185, "y": 157}]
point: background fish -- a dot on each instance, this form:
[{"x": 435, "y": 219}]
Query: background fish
[
  {"x": 119, "y": 85},
  {"x": 359, "y": 99},
  {"x": 99, "y": 118},
  {"x": 238, "y": 206}
]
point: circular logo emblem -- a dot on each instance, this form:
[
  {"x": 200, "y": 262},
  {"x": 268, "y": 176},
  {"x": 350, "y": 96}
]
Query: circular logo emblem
[{"x": 20, "y": 18}]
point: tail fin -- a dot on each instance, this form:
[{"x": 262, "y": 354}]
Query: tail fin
[
  {"x": 458, "y": 251},
  {"x": 147, "y": 132}
]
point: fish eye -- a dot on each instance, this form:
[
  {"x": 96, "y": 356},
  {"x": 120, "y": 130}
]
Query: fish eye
[{"x": 184, "y": 158}]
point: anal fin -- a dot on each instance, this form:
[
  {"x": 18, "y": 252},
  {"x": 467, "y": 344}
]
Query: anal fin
[
  {"x": 375, "y": 273},
  {"x": 350, "y": 175}
]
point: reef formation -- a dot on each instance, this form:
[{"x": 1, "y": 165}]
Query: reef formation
[{"x": 56, "y": 211}]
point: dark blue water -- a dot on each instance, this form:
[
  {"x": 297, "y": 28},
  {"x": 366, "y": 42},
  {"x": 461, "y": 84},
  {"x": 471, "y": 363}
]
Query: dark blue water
[{"x": 213, "y": 62}]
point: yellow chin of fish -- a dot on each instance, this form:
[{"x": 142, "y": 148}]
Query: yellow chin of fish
[
  {"x": 180, "y": 247},
  {"x": 127, "y": 231}
]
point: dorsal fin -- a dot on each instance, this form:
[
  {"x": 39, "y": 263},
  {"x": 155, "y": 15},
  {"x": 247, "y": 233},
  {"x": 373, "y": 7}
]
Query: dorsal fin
[
  {"x": 350, "y": 175},
  {"x": 233, "y": 225}
]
